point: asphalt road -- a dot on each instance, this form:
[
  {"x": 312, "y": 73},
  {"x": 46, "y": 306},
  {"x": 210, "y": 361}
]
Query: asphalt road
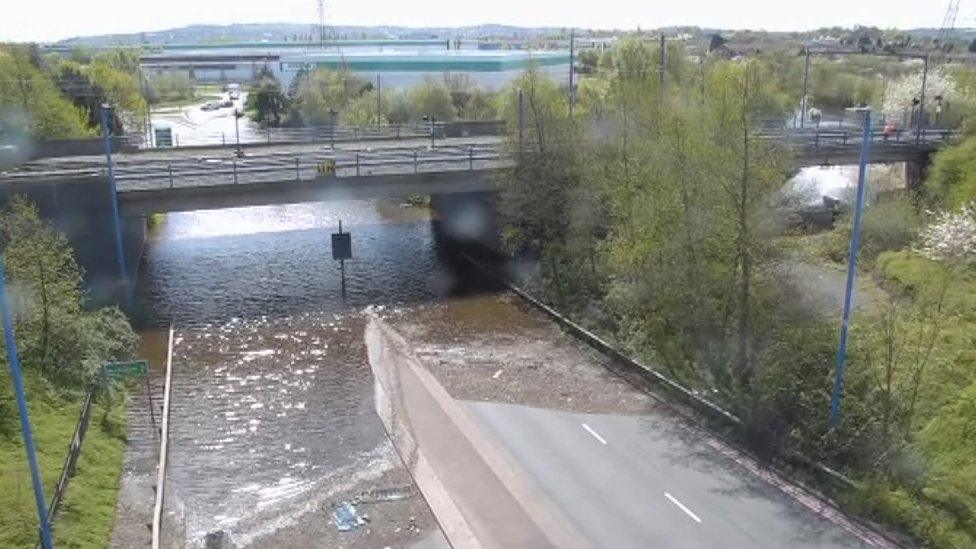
[
  {"x": 644, "y": 481},
  {"x": 508, "y": 475}
]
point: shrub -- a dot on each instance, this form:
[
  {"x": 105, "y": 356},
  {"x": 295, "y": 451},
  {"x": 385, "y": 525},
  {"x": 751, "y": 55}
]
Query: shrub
[{"x": 891, "y": 225}]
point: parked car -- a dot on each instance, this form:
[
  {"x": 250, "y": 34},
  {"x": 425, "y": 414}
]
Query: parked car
[{"x": 210, "y": 106}]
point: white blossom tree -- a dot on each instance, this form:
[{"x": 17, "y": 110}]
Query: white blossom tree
[
  {"x": 900, "y": 93},
  {"x": 952, "y": 237}
]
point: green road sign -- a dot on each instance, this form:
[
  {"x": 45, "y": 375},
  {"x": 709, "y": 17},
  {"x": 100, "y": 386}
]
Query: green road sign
[{"x": 125, "y": 369}]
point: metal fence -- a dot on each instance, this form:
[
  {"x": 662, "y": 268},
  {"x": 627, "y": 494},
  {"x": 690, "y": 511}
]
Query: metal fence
[
  {"x": 307, "y": 134},
  {"x": 842, "y": 136},
  {"x": 291, "y": 166},
  {"x": 71, "y": 460}
]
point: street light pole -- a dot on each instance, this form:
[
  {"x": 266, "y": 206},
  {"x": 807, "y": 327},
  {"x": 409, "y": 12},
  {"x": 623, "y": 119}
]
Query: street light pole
[
  {"x": 851, "y": 269},
  {"x": 114, "y": 197},
  {"x": 806, "y": 79},
  {"x": 572, "y": 63},
  {"x": 237, "y": 131},
  {"x": 921, "y": 105},
  {"x": 521, "y": 122},
  {"x": 433, "y": 121},
  {"x": 662, "y": 66},
  {"x": 17, "y": 377},
  {"x": 379, "y": 101}
]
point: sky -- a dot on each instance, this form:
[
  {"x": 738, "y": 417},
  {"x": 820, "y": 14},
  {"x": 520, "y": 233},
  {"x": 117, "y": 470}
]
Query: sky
[{"x": 47, "y": 20}]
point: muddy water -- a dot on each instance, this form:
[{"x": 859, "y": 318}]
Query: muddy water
[
  {"x": 211, "y": 266},
  {"x": 273, "y": 419}
]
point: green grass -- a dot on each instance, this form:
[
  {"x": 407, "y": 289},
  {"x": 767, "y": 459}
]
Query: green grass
[
  {"x": 88, "y": 511},
  {"x": 939, "y": 506},
  {"x": 919, "y": 278}
]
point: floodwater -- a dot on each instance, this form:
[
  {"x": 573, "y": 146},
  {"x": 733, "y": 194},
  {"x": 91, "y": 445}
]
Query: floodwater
[
  {"x": 273, "y": 420},
  {"x": 812, "y": 183},
  {"x": 213, "y": 266}
]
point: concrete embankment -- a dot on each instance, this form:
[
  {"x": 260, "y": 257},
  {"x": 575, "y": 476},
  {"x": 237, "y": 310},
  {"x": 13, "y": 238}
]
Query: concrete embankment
[{"x": 480, "y": 496}]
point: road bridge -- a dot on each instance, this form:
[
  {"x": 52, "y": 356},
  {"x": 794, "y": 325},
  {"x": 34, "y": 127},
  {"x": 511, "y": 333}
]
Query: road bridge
[
  {"x": 177, "y": 180},
  {"x": 457, "y": 173}
]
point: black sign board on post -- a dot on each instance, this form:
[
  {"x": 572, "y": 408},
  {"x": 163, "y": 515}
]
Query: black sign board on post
[
  {"x": 341, "y": 246},
  {"x": 342, "y": 250}
]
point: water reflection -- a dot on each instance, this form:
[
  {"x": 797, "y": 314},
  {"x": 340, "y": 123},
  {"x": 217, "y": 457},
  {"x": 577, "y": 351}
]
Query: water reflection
[
  {"x": 812, "y": 183},
  {"x": 213, "y": 265},
  {"x": 273, "y": 412}
]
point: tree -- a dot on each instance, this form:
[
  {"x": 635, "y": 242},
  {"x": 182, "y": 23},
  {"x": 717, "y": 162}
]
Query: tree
[
  {"x": 431, "y": 98},
  {"x": 30, "y": 104},
  {"x": 364, "y": 110},
  {"x": 939, "y": 82},
  {"x": 951, "y": 180},
  {"x": 315, "y": 95},
  {"x": 56, "y": 333},
  {"x": 120, "y": 89},
  {"x": 547, "y": 184},
  {"x": 265, "y": 100}
]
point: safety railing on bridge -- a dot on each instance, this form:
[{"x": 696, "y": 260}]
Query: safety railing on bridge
[
  {"x": 827, "y": 136},
  {"x": 305, "y": 134},
  {"x": 214, "y": 171}
]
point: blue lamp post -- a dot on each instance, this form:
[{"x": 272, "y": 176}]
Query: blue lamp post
[
  {"x": 114, "y": 198},
  {"x": 851, "y": 268},
  {"x": 25, "y": 427}
]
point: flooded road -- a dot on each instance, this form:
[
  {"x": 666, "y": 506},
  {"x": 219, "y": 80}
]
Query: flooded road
[
  {"x": 273, "y": 422},
  {"x": 515, "y": 432},
  {"x": 212, "y": 266}
]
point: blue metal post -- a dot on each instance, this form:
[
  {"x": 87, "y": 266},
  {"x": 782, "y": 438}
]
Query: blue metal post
[
  {"x": 114, "y": 197},
  {"x": 18, "y": 380},
  {"x": 851, "y": 271}
]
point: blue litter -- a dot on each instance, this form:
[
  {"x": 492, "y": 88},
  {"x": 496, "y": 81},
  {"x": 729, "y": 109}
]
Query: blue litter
[{"x": 346, "y": 518}]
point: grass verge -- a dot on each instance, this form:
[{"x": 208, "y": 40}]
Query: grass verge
[{"x": 88, "y": 510}]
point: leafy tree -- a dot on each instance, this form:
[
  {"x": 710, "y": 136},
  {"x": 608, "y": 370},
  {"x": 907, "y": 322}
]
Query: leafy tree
[
  {"x": 588, "y": 61},
  {"x": 364, "y": 111},
  {"x": 170, "y": 86},
  {"x": 314, "y": 95},
  {"x": 266, "y": 102},
  {"x": 951, "y": 180},
  {"x": 118, "y": 88},
  {"x": 30, "y": 104},
  {"x": 398, "y": 107},
  {"x": 431, "y": 98},
  {"x": 56, "y": 333}
]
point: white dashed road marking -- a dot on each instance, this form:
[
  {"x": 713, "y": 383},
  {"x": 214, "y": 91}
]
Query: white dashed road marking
[
  {"x": 594, "y": 433},
  {"x": 682, "y": 507}
]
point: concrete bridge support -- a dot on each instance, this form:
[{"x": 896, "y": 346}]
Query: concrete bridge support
[
  {"x": 80, "y": 209},
  {"x": 915, "y": 173},
  {"x": 469, "y": 220}
]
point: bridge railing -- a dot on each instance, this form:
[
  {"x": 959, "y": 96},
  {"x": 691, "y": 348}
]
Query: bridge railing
[
  {"x": 183, "y": 173},
  {"x": 306, "y": 134},
  {"x": 840, "y": 137}
]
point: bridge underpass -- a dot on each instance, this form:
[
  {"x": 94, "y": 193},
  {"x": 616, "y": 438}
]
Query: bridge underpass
[
  {"x": 159, "y": 181},
  {"x": 573, "y": 469}
]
